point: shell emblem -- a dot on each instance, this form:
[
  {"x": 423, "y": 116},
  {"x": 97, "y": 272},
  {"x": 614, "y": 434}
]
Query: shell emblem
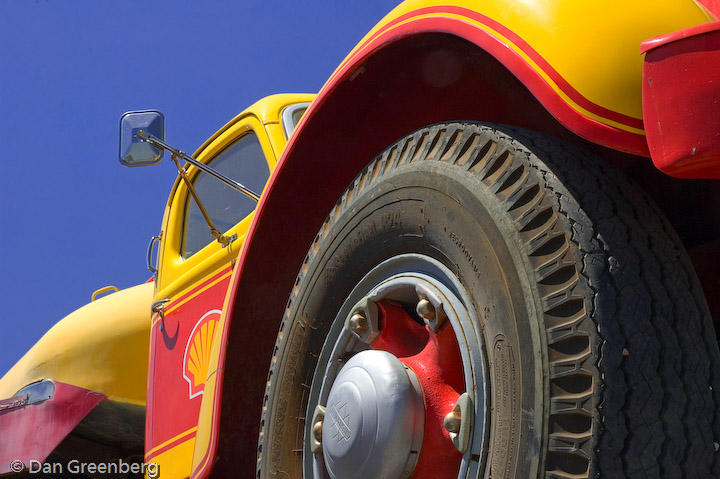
[{"x": 197, "y": 352}]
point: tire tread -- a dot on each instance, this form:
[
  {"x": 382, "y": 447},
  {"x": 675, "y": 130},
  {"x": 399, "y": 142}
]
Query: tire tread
[{"x": 634, "y": 369}]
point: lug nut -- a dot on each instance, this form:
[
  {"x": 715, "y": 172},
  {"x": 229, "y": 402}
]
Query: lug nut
[
  {"x": 459, "y": 422},
  {"x": 425, "y": 309},
  {"x": 363, "y": 321},
  {"x": 452, "y": 421},
  {"x": 358, "y": 323},
  {"x": 317, "y": 430}
]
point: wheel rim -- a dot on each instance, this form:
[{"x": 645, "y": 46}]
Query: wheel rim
[{"x": 410, "y": 320}]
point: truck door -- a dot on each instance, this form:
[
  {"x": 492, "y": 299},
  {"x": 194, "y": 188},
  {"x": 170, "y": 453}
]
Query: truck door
[{"x": 194, "y": 274}]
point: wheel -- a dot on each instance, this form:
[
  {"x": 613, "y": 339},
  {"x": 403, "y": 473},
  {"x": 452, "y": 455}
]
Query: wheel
[{"x": 484, "y": 301}]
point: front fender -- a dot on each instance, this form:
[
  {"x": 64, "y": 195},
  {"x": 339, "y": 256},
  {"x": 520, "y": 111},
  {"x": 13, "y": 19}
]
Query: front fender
[{"x": 562, "y": 67}]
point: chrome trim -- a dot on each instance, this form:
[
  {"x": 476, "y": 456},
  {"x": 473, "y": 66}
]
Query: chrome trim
[
  {"x": 14, "y": 402},
  {"x": 150, "y": 266},
  {"x": 39, "y": 391},
  {"x": 159, "y": 307},
  {"x": 287, "y": 115},
  {"x": 33, "y": 393}
]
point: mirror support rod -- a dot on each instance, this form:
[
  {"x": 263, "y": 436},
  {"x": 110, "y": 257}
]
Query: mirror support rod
[
  {"x": 222, "y": 239},
  {"x": 202, "y": 167}
]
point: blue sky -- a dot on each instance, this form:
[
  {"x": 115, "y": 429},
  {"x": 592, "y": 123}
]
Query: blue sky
[{"x": 72, "y": 218}]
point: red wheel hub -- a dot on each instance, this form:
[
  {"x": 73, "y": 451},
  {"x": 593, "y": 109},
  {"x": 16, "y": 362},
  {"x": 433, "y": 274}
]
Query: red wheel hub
[{"x": 435, "y": 359}]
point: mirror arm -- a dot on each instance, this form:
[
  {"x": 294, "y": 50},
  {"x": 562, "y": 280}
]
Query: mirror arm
[
  {"x": 222, "y": 239},
  {"x": 157, "y": 143}
]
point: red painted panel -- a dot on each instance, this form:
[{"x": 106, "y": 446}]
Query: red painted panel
[
  {"x": 681, "y": 101},
  {"x": 435, "y": 359},
  {"x": 437, "y": 24},
  {"x": 571, "y": 118},
  {"x": 712, "y": 6},
  {"x": 175, "y": 384},
  {"x": 33, "y": 431},
  {"x": 272, "y": 252}
]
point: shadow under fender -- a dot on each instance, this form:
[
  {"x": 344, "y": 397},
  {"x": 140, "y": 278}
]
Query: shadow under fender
[{"x": 600, "y": 352}]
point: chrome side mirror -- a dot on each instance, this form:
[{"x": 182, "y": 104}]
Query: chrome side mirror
[{"x": 134, "y": 149}]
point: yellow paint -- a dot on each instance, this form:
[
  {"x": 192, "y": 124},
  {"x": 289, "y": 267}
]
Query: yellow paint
[
  {"x": 205, "y": 418},
  {"x": 178, "y": 275},
  {"x": 171, "y": 440},
  {"x": 200, "y": 347},
  {"x": 176, "y": 305},
  {"x": 173, "y": 462},
  {"x": 102, "y": 346},
  {"x": 277, "y": 137},
  {"x": 595, "y": 46},
  {"x": 703, "y": 8},
  {"x": 204, "y": 433},
  {"x": 536, "y": 67},
  {"x": 266, "y": 110},
  {"x": 175, "y": 272}
]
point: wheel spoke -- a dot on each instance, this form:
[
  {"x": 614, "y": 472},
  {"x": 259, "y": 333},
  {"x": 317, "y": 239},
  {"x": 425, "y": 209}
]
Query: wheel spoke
[{"x": 435, "y": 360}]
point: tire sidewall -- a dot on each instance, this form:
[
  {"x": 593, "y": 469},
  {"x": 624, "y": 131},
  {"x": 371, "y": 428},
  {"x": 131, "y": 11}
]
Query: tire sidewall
[{"x": 438, "y": 210}]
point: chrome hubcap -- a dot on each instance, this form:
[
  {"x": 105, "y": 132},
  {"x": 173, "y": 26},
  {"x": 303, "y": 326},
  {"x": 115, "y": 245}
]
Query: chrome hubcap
[{"x": 374, "y": 418}]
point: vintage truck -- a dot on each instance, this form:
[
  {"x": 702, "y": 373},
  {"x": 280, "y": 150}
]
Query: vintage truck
[{"x": 488, "y": 247}]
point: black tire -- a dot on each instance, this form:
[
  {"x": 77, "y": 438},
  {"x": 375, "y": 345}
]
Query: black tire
[{"x": 595, "y": 325}]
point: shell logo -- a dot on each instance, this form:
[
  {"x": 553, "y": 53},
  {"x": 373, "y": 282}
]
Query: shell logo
[{"x": 197, "y": 352}]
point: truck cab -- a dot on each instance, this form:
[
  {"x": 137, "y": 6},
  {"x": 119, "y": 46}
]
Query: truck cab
[
  {"x": 122, "y": 378},
  {"x": 194, "y": 271}
]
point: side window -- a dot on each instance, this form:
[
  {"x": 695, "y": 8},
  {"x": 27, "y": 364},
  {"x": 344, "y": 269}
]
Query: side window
[
  {"x": 291, "y": 117},
  {"x": 243, "y": 161}
]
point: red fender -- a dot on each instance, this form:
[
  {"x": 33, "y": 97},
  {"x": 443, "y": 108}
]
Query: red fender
[
  {"x": 681, "y": 100},
  {"x": 32, "y": 427},
  {"x": 385, "y": 91}
]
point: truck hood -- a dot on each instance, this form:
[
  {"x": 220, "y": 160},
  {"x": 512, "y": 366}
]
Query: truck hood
[{"x": 102, "y": 346}]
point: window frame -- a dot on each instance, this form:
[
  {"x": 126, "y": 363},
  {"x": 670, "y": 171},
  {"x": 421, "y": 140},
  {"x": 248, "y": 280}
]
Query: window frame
[
  {"x": 172, "y": 267},
  {"x": 287, "y": 117},
  {"x": 189, "y": 200}
]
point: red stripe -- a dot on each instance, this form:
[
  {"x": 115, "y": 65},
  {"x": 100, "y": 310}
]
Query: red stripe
[
  {"x": 198, "y": 288},
  {"x": 564, "y": 86},
  {"x": 582, "y": 125},
  {"x": 167, "y": 447}
]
